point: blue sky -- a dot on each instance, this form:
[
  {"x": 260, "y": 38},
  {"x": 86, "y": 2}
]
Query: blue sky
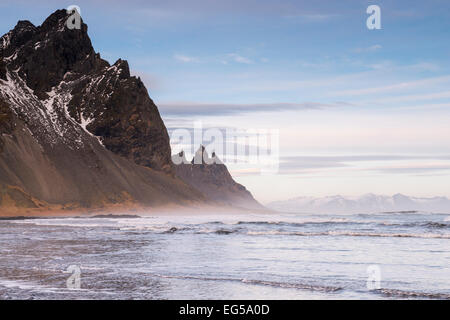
[{"x": 358, "y": 110}]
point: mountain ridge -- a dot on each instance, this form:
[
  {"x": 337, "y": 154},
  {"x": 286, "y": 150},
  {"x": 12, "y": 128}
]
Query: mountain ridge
[
  {"x": 76, "y": 131},
  {"x": 368, "y": 203},
  {"x": 211, "y": 177}
]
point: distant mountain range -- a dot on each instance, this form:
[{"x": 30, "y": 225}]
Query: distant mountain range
[{"x": 368, "y": 203}]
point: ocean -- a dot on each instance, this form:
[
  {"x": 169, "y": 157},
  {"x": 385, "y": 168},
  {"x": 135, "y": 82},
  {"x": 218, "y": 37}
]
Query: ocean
[{"x": 404, "y": 255}]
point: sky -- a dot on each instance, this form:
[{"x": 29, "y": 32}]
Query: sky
[{"x": 356, "y": 110}]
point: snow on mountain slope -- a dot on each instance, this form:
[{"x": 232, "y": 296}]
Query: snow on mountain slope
[{"x": 75, "y": 131}]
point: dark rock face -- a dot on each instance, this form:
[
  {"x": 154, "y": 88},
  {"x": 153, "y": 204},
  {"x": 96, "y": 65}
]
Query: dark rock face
[
  {"x": 106, "y": 100},
  {"x": 2, "y": 69},
  {"x": 6, "y": 118},
  {"x": 124, "y": 116},
  {"x": 6, "y": 121},
  {"x": 211, "y": 177},
  {"x": 44, "y": 54},
  {"x": 76, "y": 131}
]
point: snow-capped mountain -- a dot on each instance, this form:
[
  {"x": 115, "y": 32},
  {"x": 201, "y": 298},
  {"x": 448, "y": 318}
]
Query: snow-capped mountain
[
  {"x": 77, "y": 131},
  {"x": 368, "y": 203}
]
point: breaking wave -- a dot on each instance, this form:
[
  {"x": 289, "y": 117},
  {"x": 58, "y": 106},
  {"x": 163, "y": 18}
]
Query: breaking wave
[
  {"x": 353, "y": 234},
  {"x": 412, "y": 294},
  {"x": 277, "y": 284}
]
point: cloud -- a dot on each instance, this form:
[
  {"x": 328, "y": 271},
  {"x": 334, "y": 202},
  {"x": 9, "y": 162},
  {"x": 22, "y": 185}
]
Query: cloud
[
  {"x": 425, "y": 106},
  {"x": 224, "y": 59},
  {"x": 193, "y": 108},
  {"x": 412, "y": 169},
  {"x": 415, "y": 97},
  {"x": 306, "y": 164},
  {"x": 396, "y": 86},
  {"x": 423, "y": 66},
  {"x": 311, "y": 17},
  {"x": 289, "y": 167},
  {"x": 184, "y": 58},
  {"x": 239, "y": 59},
  {"x": 373, "y": 48},
  {"x": 382, "y": 65}
]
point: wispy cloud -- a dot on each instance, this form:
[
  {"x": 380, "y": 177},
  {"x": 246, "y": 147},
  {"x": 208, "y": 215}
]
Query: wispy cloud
[
  {"x": 409, "y": 164},
  {"x": 193, "y": 108},
  {"x": 395, "y": 86},
  {"x": 389, "y": 65},
  {"x": 416, "y": 97},
  {"x": 373, "y": 48},
  {"x": 419, "y": 169},
  {"x": 184, "y": 58},
  {"x": 224, "y": 59},
  {"x": 239, "y": 59},
  {"x": 311, "y": 17}
]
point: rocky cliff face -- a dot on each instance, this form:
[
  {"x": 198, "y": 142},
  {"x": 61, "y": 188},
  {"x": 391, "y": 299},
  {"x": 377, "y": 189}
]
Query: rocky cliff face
[
  {"x": 211, "y": 177},
  {"x": 75, "y": 130},
  {"x": 66, "y": 76}
]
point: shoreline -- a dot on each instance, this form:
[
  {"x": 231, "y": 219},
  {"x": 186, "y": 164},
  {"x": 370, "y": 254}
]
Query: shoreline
[{"x": 129, "y": 212}]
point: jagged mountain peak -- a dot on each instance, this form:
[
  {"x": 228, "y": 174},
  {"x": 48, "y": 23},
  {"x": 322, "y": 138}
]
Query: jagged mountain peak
[
  {"x": 74, "y": 90},
  {"x": 22, "y": 32},
  {"x": 24, "y": 25},
  {"x": 124, "y": 68},
  {"x": 201, "y": 156},
  {"x": 43, "y": 55},
  {"x": 56, "y": 20},
  {"x": 210, "y": 176}
]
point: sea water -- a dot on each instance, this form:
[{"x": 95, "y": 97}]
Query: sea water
[{"x": 248, "y": 256}]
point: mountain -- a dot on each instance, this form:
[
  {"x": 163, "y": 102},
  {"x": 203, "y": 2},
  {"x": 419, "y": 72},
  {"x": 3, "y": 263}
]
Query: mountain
[
  {"x": 369, "y": 203},
  {"x": 77, "y": 132},
  {"x": 211, "y": 177}
]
